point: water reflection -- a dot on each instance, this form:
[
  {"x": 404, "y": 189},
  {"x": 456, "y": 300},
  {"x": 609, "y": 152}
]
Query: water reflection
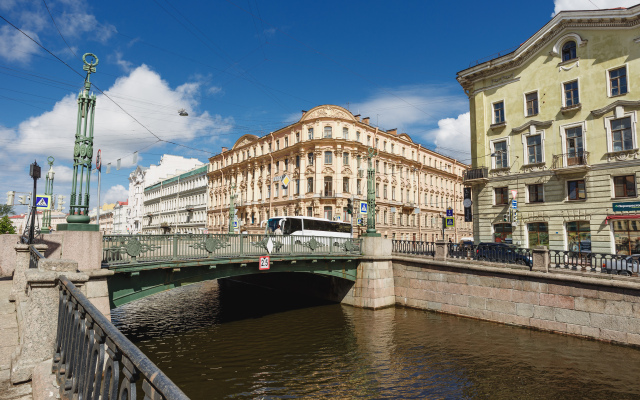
[{"x": 250, "y": 343}]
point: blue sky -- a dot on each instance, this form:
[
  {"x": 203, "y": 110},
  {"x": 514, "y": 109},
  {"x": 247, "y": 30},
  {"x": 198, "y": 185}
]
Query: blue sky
[{"x": 237, "y": 67}]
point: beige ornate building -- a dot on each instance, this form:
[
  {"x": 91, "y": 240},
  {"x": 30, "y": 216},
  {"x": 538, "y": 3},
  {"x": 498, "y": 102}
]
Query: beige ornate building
[{"x": 324, "y": 156}]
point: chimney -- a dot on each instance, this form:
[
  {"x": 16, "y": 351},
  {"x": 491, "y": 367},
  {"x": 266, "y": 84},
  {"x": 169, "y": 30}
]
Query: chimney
[
  {"x": 365, "y": 120},
  {"x": 357, "y": 117},
  {"x": 224, "y": 149},
  {"x": 393, "y": 131},
  {"x": 304, "y": 112}
]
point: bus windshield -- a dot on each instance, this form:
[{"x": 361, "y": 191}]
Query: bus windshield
[{"x": 272, "y": 225}]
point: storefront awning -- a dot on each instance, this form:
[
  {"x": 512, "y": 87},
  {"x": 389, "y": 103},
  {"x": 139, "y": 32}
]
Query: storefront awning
[{"x": 627, "y": 216}]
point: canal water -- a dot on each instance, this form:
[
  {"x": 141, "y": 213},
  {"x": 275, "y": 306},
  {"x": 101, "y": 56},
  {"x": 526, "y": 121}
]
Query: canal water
[{"x": 218, "y": 342}]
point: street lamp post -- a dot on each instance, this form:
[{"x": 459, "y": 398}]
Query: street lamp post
[
  {"x": 232, "y": 208},
  {"x": 78, "y": 219},
  {"x": 48, "y": 190},
  {"x": 371, "y": 195}
]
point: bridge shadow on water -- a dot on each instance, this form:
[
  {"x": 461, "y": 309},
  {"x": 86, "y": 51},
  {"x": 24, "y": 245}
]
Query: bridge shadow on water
[{"x": 205, "y": 304}]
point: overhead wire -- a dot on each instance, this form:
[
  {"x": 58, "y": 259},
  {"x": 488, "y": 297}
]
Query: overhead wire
[{"x": 58, "y": 29}]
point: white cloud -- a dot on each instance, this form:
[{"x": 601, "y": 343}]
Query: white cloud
[
  {"x": 14, "y": 46},
  {"x": 214, "y": 90},
  {"x": 115, "y": 193},
  {"x": 453, "y": 137},
  {"x": 122, "y": 63},
  {"x": 564, "y": 5}
]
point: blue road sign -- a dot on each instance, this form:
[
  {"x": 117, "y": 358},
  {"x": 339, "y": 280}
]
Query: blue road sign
[
  {"x": 450, "y": 222},
  {"x": 43, "y": 202},
  {"x": 514, "y": 203},
  {"x": 363, "y": 207},
  {"x": 359, "y": 221},
  {"x": 449, "y": 212},
  {"x": 235, "y": 224}
]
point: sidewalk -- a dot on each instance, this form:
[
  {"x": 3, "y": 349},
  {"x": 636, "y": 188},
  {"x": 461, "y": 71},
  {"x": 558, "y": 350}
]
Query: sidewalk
[{"x": 8, "y": 343}]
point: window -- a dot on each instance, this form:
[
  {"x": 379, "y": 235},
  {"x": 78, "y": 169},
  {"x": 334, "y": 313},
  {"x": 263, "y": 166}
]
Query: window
[
  {"x": 275, "y": 190},
  {"x": 384, "y": 145},
  {"x": 268, "y": 191},
  {"x": 621, "y": 134},
  {"x": 377, "y": 190},
  {"x": 502, "y": 196},
  {"x": 345, "y": 158},
  {"x": 309, "y": 185},
  {"x": 377, "y": 141},
  {"x": 384, "y": 193},
  {"x": 618, "y": 81},
  {"x": 286, "y": 142},
  {"x": 359, "y": 184},
  {"x": 368, "y": 140},
  {"x": 534, "y": 149},
  {"x": 328, "y": 186},
  {"x": 575, "y": 149},
  {"x": 278, "y": 144},
  {"x": 345, "y": 185},
  {"x": 536, "y": 193},
  {"x": 579, "y": 235},
  {"x": 297, "y": 186},
  {"x": 532, "y": 103},
  {"x": 626, "y": 233},
  {"x": 310, "y": 158},
  {"x": 501, "y": 154},
  {"x": 309, "y": 211},
  {"x": 328, "y": 132},
  {"x": 328, "y": 157},
  {"x": 297, "y": 137},
  {"x": 498, "y": 112},
  {"x": 328, "y": 212},
  {"x": 538, "y": 234},
  {"x": 392, "y": 147},
  {"x": 624, "y": 186},
  {"x": 576, "y": 190},
  {"x": 569, "y": 51},
  {"x": 345, "y": 133},
  {"x": 571, "y": 97},
  {"x": 310, "y": 132},
  {"x": 358, "y": 136},
  {"x": 502, "y": 233},
  {"x": 277, "y": 166},
  {"x": 297, "y": 161}
]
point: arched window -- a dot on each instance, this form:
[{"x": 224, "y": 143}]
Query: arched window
[{"x": 569, "y": 51}]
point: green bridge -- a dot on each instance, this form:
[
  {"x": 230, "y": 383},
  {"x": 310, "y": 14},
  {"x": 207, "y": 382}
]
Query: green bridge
[{"x": 147, "y": 264}]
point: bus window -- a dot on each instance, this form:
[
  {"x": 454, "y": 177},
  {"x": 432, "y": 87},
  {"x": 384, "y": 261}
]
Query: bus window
[
  {"x": 293, "y": 225},
  {"x": 272, "y": 225}
]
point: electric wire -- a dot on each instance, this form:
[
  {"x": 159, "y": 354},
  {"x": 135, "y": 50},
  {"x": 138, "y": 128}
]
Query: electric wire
[{"x": 58, "y": 29}]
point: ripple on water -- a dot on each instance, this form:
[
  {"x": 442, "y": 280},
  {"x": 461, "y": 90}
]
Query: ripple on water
[{"x": 250, "y": 343}]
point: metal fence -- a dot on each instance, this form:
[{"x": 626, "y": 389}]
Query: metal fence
[
  {"x": 414, "y": 247},
  {"x": 93, "y": 359},
  {"x": 595, "y": 262},
  {"x": 124, "y": 249}
]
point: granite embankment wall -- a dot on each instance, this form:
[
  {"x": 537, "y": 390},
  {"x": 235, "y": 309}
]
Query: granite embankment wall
[{"x": 603, "y": 307}]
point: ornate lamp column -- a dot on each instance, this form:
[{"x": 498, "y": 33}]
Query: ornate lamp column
[
  {"x": 232, "y": 208},
  {"x": 48, "y": 190},
  {"x": 78, "y": 219},
  {"x": 371, "y": 196}
]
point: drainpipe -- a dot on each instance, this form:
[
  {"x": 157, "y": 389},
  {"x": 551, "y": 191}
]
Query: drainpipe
[
  {"x": 221, "y": 185},
  {"x": 420, "y": 215},
  {"x": 271, "y": 156}
]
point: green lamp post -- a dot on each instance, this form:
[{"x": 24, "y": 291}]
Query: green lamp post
[
  {"x": 232, "y": 209},
  {"x": 48, "y": 191},
  {"x": 78, "y": 219},
  {"x": 371, "y": 196}
]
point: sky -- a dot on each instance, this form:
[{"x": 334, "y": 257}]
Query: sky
[{"x": 237, "y": 67}]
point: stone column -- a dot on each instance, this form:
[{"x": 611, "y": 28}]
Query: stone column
[
  {"x": 374, "y": 287},
  {"x": 541, "y": 259},
  {"x": 23, "y": 257},
  {"x": 441, "y": 250}
]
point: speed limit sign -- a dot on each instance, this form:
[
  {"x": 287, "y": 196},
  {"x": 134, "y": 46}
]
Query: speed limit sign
[
  {"x": 264, "y": 263},
  {"x": 99, "y": 160}
]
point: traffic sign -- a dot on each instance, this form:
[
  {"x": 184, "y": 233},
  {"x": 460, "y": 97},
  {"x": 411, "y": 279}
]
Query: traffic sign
[
  {"x": 338, "y": 218},
  {"x": 514, "y": 193},
  {"x": 450, "y": 222},
  {"x": 43, "y": 202},
  {"x": 363, "y": 207},
  {"x": 264, "y": 263},
  {"x": 449, "y": 212},
  {"x": 235, "y": 224},
  {"x": 359, "y": 221},
  {"x": 285, "y": 181},
  {"x": 514, "y": 203},
  {"x": 99, "y": 160}
]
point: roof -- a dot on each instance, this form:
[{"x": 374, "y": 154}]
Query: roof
[
  {"x": 123, "y": 203},
  {"x": 175, "y": 178}
]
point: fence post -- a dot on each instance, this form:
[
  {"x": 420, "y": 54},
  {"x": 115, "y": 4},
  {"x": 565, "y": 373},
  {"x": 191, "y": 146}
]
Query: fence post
[
  {"x": 441, "y": 250},
  {"x": 175, "y": 246},
  {"x": 541, "y": 259}
]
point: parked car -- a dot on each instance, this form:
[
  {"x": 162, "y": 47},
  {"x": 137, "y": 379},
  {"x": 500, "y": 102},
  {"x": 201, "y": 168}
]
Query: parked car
[
  {"x": 502, "y": 252},
  {"x": 622, "y": 265}
]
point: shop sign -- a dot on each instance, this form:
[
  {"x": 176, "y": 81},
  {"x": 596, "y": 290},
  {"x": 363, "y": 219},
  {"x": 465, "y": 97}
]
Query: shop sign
[{"x": 628, "y": 206}]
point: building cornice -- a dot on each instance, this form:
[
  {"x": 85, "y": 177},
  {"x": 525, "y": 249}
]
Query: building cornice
[
  {"x": 537, "y": 124},
  {"x": 610, "y": 107}
]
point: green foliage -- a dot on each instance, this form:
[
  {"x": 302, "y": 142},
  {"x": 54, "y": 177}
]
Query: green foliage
[
  {"x": 6, "y": 209},
  {"x": 5, "y": 225}
]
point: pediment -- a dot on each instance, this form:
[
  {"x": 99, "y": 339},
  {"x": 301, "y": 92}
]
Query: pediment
[
  {"x": 327, "y": 111},
  {"x": 310, "y": 170},
  {"x": 347, "y": 171},
  {"x": 328, "y": 170}
]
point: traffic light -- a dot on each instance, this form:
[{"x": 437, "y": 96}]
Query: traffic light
[
  {"x": 515, "y": 216},
  {"x": 10, "y": 197},
  {"x": 349, "y": 207},
  {"x": 24, "y": 199},
  {"x": 506, "y": 217}
]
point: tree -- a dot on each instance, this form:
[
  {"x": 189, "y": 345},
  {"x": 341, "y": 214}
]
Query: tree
[
  {"x": 6, "y": 209},
  {"x": 5, "y": 225}
]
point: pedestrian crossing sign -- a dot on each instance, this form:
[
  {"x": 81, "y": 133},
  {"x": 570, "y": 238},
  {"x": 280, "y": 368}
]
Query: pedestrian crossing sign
[
  {"x": 363, "y": 207},
  {"x": 43, "y": 202},
  {"x": 450, "y": 222}
]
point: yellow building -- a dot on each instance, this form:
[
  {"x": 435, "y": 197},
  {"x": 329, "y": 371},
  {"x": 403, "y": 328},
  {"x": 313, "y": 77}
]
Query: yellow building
[
  {"x": 324, "y": 156},
  {"x": 554, "y": 124}
]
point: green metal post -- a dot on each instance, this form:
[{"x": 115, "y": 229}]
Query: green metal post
[
  {"x": 48, "y": 190},
  {"x": 232, "y": 208},
  {"x": 78, "y": 218},
  {"x": 371, "y": 196}
]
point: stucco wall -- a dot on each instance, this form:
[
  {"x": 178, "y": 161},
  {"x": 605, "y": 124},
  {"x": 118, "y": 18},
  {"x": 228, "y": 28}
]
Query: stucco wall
[{"x": 603, "y": 309}]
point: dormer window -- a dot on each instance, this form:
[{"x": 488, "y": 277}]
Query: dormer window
[{"x": 569, "y": 51}]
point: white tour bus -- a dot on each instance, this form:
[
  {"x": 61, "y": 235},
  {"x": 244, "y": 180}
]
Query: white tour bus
[{"x": 308, "y": 226}]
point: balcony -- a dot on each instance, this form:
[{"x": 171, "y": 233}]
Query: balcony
[
  {"x": 476, "y": 175},
  {"x": 569, "y": 163},
  {"x": 327, "y": 194}
]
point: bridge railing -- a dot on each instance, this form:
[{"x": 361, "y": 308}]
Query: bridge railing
[
  {"x": 127, "y": 249},
  {"x": 93, "y": 359},
  {"x": 414, "y": 247}
]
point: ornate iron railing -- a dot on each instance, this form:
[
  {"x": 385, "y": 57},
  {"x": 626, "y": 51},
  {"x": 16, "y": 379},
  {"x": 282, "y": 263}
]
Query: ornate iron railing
[
  {"x": 126, "y": 249},
  {"x": 93, "y": 359},
  {"x": 570, "y": 159},
  {"x": 595, "y": 262},
  {"x": 414, "y": 247},
  {"x": 34, "y": 256}
]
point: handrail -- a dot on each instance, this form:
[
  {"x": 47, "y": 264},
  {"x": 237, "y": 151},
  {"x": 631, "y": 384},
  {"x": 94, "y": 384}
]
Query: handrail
[
  {"x": 85, "y": 338},
  {"x": 34, "y": 256}
]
